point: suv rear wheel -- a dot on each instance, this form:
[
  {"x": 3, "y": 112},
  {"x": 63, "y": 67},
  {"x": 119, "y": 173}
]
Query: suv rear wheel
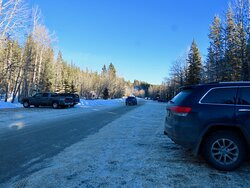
[{"x": 224, "y": 150}]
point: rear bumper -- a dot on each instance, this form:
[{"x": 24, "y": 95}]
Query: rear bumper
[
  {"x": 182, "y": 134},
  {"x": 131, "y": 102},
  {"x": 76, "y": 101},
  {"x": 62, "y": 103}
]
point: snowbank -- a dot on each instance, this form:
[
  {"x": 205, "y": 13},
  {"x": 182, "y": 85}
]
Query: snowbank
[
  {"x": 99, "y": 102},
  {"x": 9, "y": 105},
  {"x": 130, "y": 152},
  {"x": 83, "y": 103}
]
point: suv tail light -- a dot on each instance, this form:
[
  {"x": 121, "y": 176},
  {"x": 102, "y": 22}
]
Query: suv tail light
[{"x": 180, "y": 110}]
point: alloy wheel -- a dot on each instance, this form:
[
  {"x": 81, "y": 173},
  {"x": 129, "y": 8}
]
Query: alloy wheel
[{"x": 225, "y": 151}]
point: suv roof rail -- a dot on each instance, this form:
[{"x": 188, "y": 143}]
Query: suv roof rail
[{"x": 235, "y": 82}]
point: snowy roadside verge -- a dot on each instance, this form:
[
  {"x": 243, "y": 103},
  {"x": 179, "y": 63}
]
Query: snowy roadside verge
[
  {"x": 100, "y": 102},
  {"x": 19, "y": 118},
  {"x": 83, "y": 103},
  {"x": 4, "y": 105},
  {"x": 131, "y": 152}
]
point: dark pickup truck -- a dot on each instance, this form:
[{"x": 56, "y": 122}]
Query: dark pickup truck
[{"x": 48, "y": 99}]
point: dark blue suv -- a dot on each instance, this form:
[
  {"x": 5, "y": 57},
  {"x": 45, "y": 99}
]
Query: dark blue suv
[
  {"x": 214, "y": 120},
  {"x": 131, "y": 101}
]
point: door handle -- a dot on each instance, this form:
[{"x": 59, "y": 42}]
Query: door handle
[{"x": 244, "y": 110}]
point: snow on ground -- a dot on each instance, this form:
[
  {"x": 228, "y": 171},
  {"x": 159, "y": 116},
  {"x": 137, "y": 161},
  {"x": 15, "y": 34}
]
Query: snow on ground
[
  {"x": 9, "y": 105},
  {"x": 18, "y": 118},
  {"x": 99, "y": 102},
  {"x": 83, "y": 103},
  {"x": 131, "y": 152}
]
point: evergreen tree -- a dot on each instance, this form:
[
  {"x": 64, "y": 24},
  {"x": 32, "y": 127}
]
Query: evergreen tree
[
  {"x": 241, "y": 51},
  {"x": 28, "y": 67},
  {"x": 194, "y": 65},
  {"x": 46, "y": 81},
  {"x": 58, "y": 73},
  {"x": 215, "y": 51},
  {"x": 104, "y": 70},
  {"x": 106, "y": 94},
  {"x": 73, "y": 88},
  {"x": 111, "y": 70},
  {"x": 232, "y": 66}
]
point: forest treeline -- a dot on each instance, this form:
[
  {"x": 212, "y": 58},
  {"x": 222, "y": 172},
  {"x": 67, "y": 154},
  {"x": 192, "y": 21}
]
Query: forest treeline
[
  {"x": 28, "y": 63},
  {"x": 228, "y": 57}
]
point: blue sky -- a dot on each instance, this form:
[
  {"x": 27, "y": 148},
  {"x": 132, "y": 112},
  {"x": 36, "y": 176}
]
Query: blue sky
[{"x": 140, "y": 37}]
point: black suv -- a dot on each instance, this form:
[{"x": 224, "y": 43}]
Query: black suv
[
  {"x": 131, "y": 101},
  {"x": 214, "y": 120}
]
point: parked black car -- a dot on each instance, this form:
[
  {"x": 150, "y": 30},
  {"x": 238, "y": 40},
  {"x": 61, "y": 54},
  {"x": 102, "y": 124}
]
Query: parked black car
[
  {"x": 214, "y": 120},
  {"x": 131, "y": 101},
  {"x": 48, "y": 99},
  {"x": 76, "y": 98}
]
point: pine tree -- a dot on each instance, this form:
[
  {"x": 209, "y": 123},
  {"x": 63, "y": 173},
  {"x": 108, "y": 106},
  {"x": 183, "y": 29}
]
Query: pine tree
[
  {"x": 73, "y": 88},
  {"x": 58, "y": 73},
  {"x": 46, "y": 81},
  {"x": 28, "y": 67},
  {"x": 104, "y": 70},
  {"x": 106, "y": 94},
  {"x": 194, "y": 65},
  {"x": 111, "y": 70},
  {"x": 241, "y": 52},
  {"x": 232, "y": 66},
  {"x": 215, "y": 51}
]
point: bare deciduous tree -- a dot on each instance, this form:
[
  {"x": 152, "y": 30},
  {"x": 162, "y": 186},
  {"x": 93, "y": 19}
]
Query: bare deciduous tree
[{"x": 13, "y": 18}]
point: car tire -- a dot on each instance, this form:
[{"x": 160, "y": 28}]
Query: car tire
[
  {"x": 26, "y": 104},
  {"x": 55, "y": 105},
  {"x": 225, "y": 150}
]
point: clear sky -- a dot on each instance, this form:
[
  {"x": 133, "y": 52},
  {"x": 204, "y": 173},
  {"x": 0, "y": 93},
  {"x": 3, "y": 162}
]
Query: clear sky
[{"x": 140, "y": 37}]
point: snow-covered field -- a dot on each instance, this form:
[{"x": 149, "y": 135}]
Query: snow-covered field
[{"x": 131, "y": 152}]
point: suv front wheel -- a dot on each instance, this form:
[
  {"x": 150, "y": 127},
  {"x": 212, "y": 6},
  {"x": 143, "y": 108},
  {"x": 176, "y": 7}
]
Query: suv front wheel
[
  {"x": 225, "y": 150},
  {"x": 55, "y": 105},
  {"x": 26, "y": 104}
]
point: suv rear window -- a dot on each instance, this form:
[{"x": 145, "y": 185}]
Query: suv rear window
[
  {"x": 179, "y": 98},
  {"x": 244, "y": 96},
  {"x": 131, "y": 98},
  {"x": 220, "y": 96}
]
